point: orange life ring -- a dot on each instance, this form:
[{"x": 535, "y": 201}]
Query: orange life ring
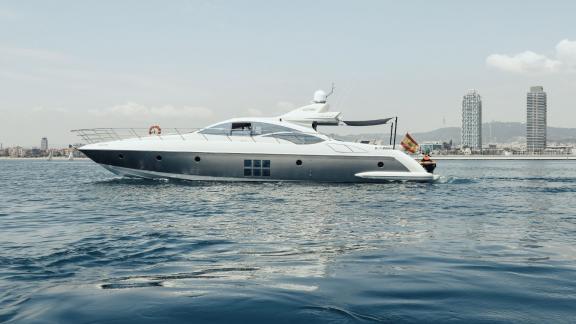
[{"x": 154, "y": 130}]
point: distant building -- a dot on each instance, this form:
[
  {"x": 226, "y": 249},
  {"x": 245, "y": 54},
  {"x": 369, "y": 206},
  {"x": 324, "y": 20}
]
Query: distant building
[
  {"x": 536, "y": 120},
  {"x": 17, "y": 152},
  {"x": 472, "y": 121},
  {"x": 432, "y": 147},
  {"x": 44, "y": 144}
]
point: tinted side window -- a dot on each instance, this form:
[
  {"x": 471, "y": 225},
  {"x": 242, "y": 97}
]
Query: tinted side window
[
  {"x": 257, "y": 168},
  {"x": 298, "y": 138}
]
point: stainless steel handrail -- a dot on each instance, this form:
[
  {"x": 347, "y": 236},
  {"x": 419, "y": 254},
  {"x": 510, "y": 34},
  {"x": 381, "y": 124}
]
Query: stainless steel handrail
[{"x": 99, "y": 135}]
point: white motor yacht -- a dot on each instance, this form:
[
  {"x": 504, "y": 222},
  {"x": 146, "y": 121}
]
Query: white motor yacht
[{"x": 283, "y": 148}]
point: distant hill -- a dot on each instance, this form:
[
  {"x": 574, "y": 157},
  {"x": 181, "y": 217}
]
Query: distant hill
[{"x": 494, "y": 132}]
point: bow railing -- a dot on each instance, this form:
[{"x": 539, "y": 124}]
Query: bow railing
[{"x": 98, "y": 135}]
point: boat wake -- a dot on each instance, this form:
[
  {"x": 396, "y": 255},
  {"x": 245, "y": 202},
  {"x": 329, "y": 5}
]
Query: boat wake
[{"x": 454, "y": 180}]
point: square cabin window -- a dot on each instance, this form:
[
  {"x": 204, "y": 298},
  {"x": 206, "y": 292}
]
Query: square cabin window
[
  {"x": 247, "y": 172},
  {"x": 256, "y": 172},
  {"x": 266, "y": 163},
  {"x": 257, "y": 163},
  {"x": 265, "y": 172},
  {"x": 247, "y": 163}
]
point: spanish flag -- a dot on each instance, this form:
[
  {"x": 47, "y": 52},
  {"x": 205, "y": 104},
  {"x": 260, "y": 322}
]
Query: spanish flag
[{"x": 409, "y": 143}]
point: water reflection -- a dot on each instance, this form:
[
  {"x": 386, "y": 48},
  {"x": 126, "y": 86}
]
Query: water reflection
[{"x": 391, "y": 252}]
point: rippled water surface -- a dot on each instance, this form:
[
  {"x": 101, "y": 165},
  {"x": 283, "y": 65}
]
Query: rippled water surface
[{"x": 492, "y": 241}]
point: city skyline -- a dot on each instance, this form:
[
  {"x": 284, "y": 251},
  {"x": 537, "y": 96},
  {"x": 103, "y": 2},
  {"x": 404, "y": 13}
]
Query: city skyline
[
  {"x": 473, "y": 92},
  {"x": 187, "y": 64}
]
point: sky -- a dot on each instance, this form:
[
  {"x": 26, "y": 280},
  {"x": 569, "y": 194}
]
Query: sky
[{"x": 82, "y": 64}]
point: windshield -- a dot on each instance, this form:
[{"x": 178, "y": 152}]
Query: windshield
[
  {"x": 220, "y": 129},
  {"x": 262, "y": 129},
  {"x": 246, "y": 128}
]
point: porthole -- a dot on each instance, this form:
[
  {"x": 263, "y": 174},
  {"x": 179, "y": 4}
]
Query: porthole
[
  {"x": 121, "y": 156},
  {"x": 159, "y": 157},
  {"x": 298, "y": 162},
  {"x": 380, "y": 164},
  {"x": 197, "y": 159}
]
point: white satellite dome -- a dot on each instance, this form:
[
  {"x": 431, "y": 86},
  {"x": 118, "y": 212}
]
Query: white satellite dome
[{"x": 320, "y": 96}]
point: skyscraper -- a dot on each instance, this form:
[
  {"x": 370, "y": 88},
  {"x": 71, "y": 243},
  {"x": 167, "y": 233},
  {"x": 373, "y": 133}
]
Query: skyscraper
[
  {"x": 536, "y": 119},
  {"x": 472, "y": 120},
  {"x": 44, "y": 144}
]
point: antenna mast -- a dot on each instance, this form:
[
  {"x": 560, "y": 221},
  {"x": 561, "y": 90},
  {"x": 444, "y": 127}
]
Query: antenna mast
[{"x": 331, "y": 91}]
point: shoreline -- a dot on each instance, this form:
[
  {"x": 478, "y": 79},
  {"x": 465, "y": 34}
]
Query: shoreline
[
  {"x": 506, "y": 158},
  {"x": 434, "y": 157},
  {"x": 63, "y": 158}
]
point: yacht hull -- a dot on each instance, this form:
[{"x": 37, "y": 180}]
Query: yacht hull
[{"x": 255, "y": 167}]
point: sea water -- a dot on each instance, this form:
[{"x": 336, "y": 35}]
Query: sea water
[{"x": 492, "y": 241}]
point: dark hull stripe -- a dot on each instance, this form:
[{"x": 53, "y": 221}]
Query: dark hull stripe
[{"x": 229, "y": 165}]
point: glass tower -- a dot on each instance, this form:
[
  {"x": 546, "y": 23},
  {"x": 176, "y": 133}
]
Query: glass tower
[
  {"x": 44, "y": 144},
  {"x": 536, "y": 120},
  {"x": 472, "y": 120}
]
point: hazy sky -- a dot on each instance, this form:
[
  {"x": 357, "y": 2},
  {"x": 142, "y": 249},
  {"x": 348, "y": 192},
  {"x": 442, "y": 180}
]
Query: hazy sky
[{"x": 83, "y": 64}]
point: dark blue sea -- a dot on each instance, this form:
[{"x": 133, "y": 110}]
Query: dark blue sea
[{"x": 492, "y": 241}]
